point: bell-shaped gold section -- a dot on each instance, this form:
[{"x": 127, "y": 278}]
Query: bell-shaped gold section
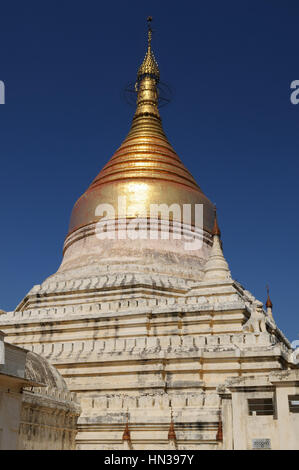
[{"x": 145, "y": 169}]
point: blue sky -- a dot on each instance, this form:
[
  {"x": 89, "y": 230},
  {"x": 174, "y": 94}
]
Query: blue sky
[{"x": 229, "y": 64}]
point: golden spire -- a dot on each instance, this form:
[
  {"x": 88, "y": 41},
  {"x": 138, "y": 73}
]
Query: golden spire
[
  {"x": 146, "y": 86},
  {"x": 149, "y": 65},
  {"x": 145, "y": 168}
]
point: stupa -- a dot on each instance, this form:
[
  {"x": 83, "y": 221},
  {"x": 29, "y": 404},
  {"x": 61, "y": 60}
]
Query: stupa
[{"x": 143, "y": 318}]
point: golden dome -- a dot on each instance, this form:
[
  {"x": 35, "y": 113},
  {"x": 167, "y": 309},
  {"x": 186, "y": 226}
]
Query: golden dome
[{"x": 145, "y": 169}]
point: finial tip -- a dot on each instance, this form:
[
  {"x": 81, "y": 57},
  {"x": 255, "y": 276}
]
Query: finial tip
[
  {"x": 268, "y": 302},
  {"x": 149, "y": 65},
  {"x": 216, "y": 229}
]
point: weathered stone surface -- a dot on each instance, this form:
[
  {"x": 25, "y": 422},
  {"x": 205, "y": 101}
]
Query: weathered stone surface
[
  {"x": 37, "y": 411},
  {"x": 138, "y": 351}
]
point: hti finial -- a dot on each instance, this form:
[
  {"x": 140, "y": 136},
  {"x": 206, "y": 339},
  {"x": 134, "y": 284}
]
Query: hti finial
[
  {"x": 150, "y": 31},
  {"x": 149, "y": 66},
  {"x": 216, "y": 229},
  {"x": 127, "y": 434},
  {"x": 219, "y": 435},
  {"x": 268, "y": 302},
  {"x": 171, "y": 431}
]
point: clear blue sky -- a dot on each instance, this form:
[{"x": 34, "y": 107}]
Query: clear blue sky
[{"x": 230, "y": 65}]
